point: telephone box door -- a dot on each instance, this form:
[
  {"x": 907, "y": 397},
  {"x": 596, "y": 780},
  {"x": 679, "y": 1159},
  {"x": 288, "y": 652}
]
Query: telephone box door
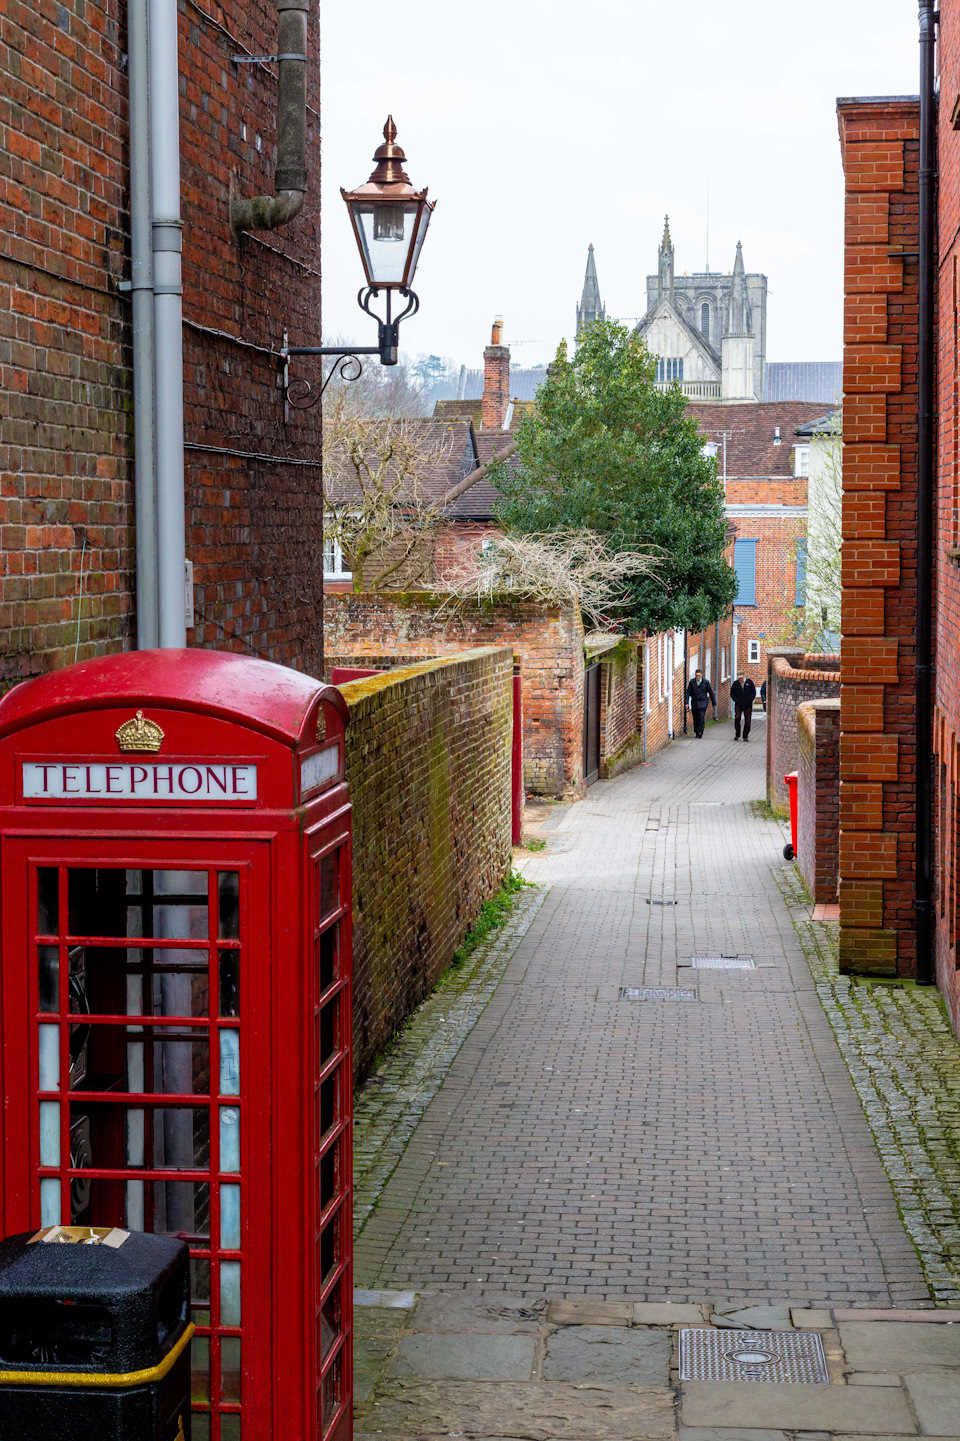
[{"x": 147, "y": 1007}]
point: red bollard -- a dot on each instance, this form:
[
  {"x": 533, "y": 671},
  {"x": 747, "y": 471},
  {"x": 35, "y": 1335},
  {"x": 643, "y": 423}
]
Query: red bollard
[
  {"x": 517, "y": 758},
  {"x": 789, "y": 851}
]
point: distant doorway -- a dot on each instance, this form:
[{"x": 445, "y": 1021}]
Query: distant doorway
[{"x": 591, "y": 724}]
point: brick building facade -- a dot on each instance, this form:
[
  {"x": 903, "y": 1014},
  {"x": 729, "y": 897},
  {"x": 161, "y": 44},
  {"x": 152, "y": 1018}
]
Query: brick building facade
[
  {"x": 793, "y": 679},
  {"x": 818, "y": 797},
  {"x": 880, "y": 147},
  {"x": 67, "y": 473}
]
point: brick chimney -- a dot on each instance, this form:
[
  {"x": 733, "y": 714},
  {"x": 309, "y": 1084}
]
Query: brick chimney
[{"x": 496, "y": 380}]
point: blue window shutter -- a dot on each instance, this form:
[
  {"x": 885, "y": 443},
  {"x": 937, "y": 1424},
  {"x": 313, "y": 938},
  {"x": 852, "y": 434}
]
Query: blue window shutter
[
  {"x": 745, "y": 565},
  {"x": 801, "y": 572}
]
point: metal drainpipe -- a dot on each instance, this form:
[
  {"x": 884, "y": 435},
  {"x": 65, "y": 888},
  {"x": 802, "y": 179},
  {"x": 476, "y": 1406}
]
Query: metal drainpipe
[
  {"x": 167, "y": 319},
  {"x": 922, "y": 897},
  {"x": 267, "y": 212},
  {"x": 141, "y": 286}
]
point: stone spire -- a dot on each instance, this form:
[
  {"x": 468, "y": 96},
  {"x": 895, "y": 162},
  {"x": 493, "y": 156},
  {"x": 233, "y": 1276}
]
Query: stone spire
[
  {"x": 739, "y": 316},
  {"x": 665, "y": 267},
  {"x": 590, "y": 309}
]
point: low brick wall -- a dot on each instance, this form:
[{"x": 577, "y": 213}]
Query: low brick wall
[
  {"x": 428, "y": 761},
  {"x": 547, "y": 640},
  {"x": 818, "y": 796},
  {"x": 793, "y": 677}
]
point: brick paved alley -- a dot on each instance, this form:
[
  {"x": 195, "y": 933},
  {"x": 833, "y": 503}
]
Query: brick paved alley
[{"x": 657, "y": 1149}]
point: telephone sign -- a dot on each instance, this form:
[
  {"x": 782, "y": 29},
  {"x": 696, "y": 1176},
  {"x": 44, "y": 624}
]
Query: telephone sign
[{"x": 175, "y": 1016}]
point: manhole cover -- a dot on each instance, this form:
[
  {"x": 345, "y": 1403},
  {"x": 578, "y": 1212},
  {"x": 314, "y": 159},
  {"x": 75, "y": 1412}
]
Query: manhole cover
[
  {"x": 660, "y": 903},
  {"x": 656, "y": 993},
  {"x": 723, "y": 963},
  {"x": 707, "y": 1355}
]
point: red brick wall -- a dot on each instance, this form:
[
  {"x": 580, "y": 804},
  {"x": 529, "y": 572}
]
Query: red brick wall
[
  {"x": 818, "y": 796},
  {"x": 496, "y": 385},
  {"x": 792, "y": 678},
  {"x": 877, "y": 814},
  {"x": 655, "y": 682},
  {"x": 428, "y": 760},
  {"x": 621, "y": 738},
  {"x": 548, "y": 641},
  {"x": 66, "y": 444}
]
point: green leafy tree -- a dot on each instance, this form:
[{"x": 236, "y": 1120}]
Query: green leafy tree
[{"x": 605, "y": 450}]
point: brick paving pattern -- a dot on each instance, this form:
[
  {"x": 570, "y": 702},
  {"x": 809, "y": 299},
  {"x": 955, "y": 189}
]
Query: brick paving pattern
[{"x": 664, "y": 1150}]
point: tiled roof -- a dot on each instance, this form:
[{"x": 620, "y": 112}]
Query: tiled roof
[
  {"x": 478, "y": 502},
  {"x": 523, "y": 383},
  {"x": 751, "y": 434}
]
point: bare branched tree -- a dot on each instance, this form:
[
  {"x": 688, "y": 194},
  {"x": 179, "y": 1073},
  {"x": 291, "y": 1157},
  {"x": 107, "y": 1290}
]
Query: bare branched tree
[{"x": 557, "y": 568}]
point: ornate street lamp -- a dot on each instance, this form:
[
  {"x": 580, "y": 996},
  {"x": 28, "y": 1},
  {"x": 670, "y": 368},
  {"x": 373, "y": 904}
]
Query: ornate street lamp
[{"x": 390, "y": 220}]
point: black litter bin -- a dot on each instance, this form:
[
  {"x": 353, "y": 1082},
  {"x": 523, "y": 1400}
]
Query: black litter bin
[{"x": 94, "y": 1336}]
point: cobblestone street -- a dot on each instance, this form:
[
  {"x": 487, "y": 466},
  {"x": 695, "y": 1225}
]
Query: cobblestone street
[{"x": 583, "y": 1142}]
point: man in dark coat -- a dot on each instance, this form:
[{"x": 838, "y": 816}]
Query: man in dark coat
[
  {"x": 743, "y": 693},
  {"x": 699, "y": 696}
]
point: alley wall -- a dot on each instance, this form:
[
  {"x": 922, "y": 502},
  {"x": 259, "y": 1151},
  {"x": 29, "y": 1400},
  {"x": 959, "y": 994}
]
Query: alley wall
[
  {"x": 793, "y": 677},
  {"x": 67, "y": 459},
  {"x": 428, "y": 750},
  {"x": 818, "y": 796},
  {"x": 880, "y": 151}
]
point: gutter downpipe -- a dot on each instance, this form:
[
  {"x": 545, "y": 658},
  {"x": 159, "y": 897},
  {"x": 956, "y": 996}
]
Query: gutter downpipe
[
  {"x": 167, "y": 228},
  {"x": 268, "y": 212},
  {"x": 141, "y": 286},
  {"x": 922, "y": 899}
]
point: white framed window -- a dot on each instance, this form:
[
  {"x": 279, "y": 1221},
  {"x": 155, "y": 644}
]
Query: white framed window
[
  {"x": 667, "y": 666},
  {"x": 753, "y": 652},
  {"x": 708, "y": 663},
  {"x": 646, "y": 675},
  {"x": 724, "y": 663},
  {"x": 677, "y": 649},
  {"x": 694, "y": 664},
  {"x": 801, "y": 460},
  {"x": 333, "y": 567}
]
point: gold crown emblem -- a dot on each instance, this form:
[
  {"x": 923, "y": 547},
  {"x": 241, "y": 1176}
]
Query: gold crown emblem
[{"x": 138, "y": 734}]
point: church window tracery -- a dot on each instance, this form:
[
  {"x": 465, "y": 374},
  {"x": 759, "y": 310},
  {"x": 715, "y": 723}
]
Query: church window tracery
[
  {"x": 669, "y": 370},
  {"x": 705, "y": 320}
]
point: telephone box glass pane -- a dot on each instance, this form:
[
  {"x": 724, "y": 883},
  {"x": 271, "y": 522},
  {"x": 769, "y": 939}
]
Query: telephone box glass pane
[
  {"x": 229, "y": 983},
  {"x": 230, "y": 1427},
  {"x": 229, "y": 1138},
  {"x": 230, "y": 1368},
  {"x": 229, "y": 1293},
  {"x": 229, "y": 1062},
  {"x": 329, "y": 946},
  {"x": 329, "y": 882},
  {"x": 49, "y": 1058},
  {"x": 49, "y": 968},
  {"x": 49, "y": 1133},
  {"x": 48, "y": 900},
  {"x": 331, "y": 1392},
  {"x": 230, "y": 1217},
  {"x": 228, "y": 887},
  {"x": 49, "y": 1202},
  {"x": 329, "y": 1323},
  {"x": 199, "y": 1371}
]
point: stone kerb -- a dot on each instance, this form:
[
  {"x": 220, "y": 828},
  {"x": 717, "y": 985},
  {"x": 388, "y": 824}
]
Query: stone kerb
[
  {"x": 793, "y": 676},
  {"x": 818, "y": 796},
  {"x": 428, "y": 751}
]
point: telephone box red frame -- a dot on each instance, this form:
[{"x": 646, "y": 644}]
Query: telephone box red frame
[{"x": 230, "y": 1123}]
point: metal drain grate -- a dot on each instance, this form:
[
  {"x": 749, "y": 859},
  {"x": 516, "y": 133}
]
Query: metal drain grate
[
  {"x": 661, "y": 903},
  {"x": 656, "y": 993},
  {"x": 707, "y": 1355},
  {"x": 723, "y": 963}
]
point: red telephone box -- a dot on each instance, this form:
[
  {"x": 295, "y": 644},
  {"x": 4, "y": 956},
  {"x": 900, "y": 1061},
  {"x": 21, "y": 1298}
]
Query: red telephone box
[{"x": 175, "y": 961}]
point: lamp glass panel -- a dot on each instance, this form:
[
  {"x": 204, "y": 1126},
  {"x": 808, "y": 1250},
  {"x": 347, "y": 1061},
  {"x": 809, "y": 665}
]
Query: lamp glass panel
[
  {"x": 387, "y": 231},
  {"x": 421, "y": 235}
]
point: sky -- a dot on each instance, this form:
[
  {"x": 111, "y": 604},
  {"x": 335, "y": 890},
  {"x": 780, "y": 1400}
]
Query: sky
[{"x": 540, "y": 126}]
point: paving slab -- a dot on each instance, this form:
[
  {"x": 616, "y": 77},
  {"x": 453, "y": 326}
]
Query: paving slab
[
  {"x": 452, "y": 1311},
  {"x": 818, "y": 1319},
  {"x": 712, "y": 1433},
  {"x": 590, "y": 1313},
  {"x": 935, "y": 1316},
  {"x": 535, "y": 1411},
  {"x": 873, "y": 1378},
  {"x": 899, "y": 1346},
  {"x": 402, "y": 1300},
  {"x": 608, "y": 1354},
  {"x": 860, "y": 1410},
  {"x": 467, "y": 1357},
  {"x": 652, "y": 1313},
  {"x": 374, "y": 1322},
  {"x": 936, "y": 1400},
  {"x": 755, "y": 1318}
]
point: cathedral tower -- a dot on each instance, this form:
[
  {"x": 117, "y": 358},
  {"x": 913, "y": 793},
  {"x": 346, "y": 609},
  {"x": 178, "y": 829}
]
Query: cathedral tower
[
  {"x": 737, "y": 343},
  {"x": 665, "y": 268}
]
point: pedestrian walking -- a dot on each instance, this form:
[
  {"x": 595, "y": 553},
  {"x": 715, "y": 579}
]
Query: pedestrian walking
[
  {"x": 699, "y": 696},
  {"x": 763, "y": 695},
  {"x": 743, "y": 693}
]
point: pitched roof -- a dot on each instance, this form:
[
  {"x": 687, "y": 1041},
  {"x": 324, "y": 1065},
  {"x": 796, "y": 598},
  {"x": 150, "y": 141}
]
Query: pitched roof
[
  {"x": 449, "y": 449},
  {"x": 750, "y": 429},
  {"x": 478, "y": 502},
  {"x": 698, "y": 339}
]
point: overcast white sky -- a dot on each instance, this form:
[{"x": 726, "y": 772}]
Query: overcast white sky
[{"x": 541, "y": 125}]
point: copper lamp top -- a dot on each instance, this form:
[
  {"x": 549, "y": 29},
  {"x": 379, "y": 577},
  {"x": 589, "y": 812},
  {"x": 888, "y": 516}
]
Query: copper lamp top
[{"x": 389, "y": 180}]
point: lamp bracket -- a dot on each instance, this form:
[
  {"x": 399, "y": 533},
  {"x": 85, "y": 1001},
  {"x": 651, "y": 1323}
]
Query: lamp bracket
[
  {"x": 299, "y": 394},
  {"x": 263, "y": 59}
]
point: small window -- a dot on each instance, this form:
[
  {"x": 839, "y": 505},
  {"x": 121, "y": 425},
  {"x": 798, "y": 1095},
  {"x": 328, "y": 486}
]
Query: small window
[
  {"x": 669, "y": 370},
  {"x": 801, "y": 593},
  {"x": 753, "y": 652},
  {"x": 801, "y": 460},
  {"x": 705, "y": 320},
  {"x": 333, "y": 568},
  {"x": 745, "y": 565},
  {"x": 709, "y": 449}
]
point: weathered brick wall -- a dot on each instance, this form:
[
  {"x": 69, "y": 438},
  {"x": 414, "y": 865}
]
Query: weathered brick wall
[
  {"x": 253, "y": 491},
  {"x": 549, "y": 642},
  {"x": 879, "y": 145},
  {"x": 428, "y": 761},
  {"x": 621, "y": 740},
  {"x": 660, "y": 688},
  {"x": 818, "y": 796},
  {"x": 792, "y": 678},
  {"x": 947, "y": 671}
]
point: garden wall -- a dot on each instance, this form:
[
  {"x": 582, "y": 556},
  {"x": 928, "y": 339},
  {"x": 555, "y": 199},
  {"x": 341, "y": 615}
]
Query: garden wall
[
  {"x": 818, "y": 796},
  {"x": 548, "y": 641},
  {"x": 792, "y": 678},
  {"x": 428, "y": 761}
]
